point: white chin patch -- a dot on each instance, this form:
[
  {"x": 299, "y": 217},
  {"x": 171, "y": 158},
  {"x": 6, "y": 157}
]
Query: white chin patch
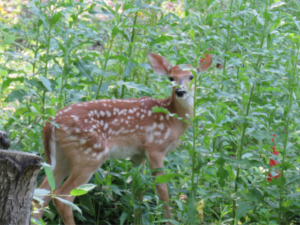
[{"x": 187, "y": 100}]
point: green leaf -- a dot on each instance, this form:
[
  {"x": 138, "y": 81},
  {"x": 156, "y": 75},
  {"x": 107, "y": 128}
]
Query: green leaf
[
  {"x": 9, "y": 80},
  {"x": 222, "y": 174},
  {"x": 174, "y": 222},
  {"x": 123, "y": 218},
  {"x": 71, "y": 204},
  {"x": 83, "y": 189},
  {"x": 277, "y": 4},
  {"x": 35, "y": 221},
  {"x": 120, "y": 58},
  {"x": 9, "y": 39},
  {"x": 21, "y": 111},
  {"x": 55, "y": 18},
  {"x": 16, "y": 95},
  {"x": 46, "y": 83},
  {"x": 85, "y": 68},
  {"x": 294, "y": 178},
  {"x": 87, "y": 204},
  {"x": 243, "y": 209},
  {"x": 41, "y": 192},
  {"x": 128, "y": 69},
  {"x": 49, "y": 174},
  {"x": 115, "y": 31},
  {"x": 3, "y": 73},
  {"x": 87, "y": 187},
  {"x": 166, "y": 177},
  {"x": 78, "y": 192},
  {"x": 163, "y": 38},
  {"x": 131, "y": 85}
]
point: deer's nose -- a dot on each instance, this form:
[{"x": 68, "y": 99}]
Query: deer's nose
[{"x": 180, "y": 92}]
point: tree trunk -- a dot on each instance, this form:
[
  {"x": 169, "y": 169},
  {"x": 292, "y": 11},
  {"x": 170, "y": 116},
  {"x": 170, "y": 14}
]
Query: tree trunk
[{"x": 18, "y": 173}]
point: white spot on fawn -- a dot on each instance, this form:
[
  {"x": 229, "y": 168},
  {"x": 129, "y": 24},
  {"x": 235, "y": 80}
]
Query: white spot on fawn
[
  {"x": 157, "y": 133},
  {"x": 108, "y": 113},
  {"x": 167, "y": 133},
  {"x": 97, "y": 145},
  {"x": 161, "y": 126},
  {"x": 77, "y": 130},
  {"x": 87, "y": 150},
  {"x": 75, "y": 117},
  {"x": 105, "y": 126},
  {"x": 73, "y": 138}
]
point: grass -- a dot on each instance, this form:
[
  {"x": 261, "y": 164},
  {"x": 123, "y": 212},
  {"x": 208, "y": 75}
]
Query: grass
[{"x": 57, "y": 53}]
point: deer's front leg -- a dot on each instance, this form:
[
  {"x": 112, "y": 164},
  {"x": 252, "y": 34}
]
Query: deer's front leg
[{"x": 156, "y": 160}]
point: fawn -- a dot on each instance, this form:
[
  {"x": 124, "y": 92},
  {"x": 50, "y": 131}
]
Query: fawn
[{"x": 93, "y": 131}]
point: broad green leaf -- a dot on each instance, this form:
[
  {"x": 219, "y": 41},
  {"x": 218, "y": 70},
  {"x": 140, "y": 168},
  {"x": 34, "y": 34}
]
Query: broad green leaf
[
  {"x": 87, "y": 204},
  {"x": 128, "y": 69},
  {"x": 21, "y": 111},
  {"x": 131, "y": 85},
  {"x": 16, "y": 95},
  {"x": 167, "y": 220},
  {"x": 78, "y": 192},
  {"x": 83, "y": 189},
  {"x": 35, "y": 221},
  {"x": 123, "y": 218},
  {"x": 166, "y": 177},
  {"x": 55, "y": 18},
  {"x": 71, "y": 204},
  {"x": 38, "y": 199},
  {"x": 243, "y": 209},
  {"x": 3, "y": 73},
  {"x": 87, "y": 187},
  {"x": 46, "y": 83},
  {"x": 85, "y": 68},
  {"x": 9, "y": 80},
  {"x": 41, "y": 192},
  {"x": 120, "y": 57},
  {"x": 163, "y": 38},
  {"x": 49, "y": 174},
  {"x": 277, "y": 4}
]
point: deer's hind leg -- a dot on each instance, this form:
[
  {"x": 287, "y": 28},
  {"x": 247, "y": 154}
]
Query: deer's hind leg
[
  {"x": 82, "y": 170},
  {"x": 60, "y": 172}
]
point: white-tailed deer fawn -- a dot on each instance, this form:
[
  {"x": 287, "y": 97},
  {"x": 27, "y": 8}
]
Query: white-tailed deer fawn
[{"x": 91, "y": 132}]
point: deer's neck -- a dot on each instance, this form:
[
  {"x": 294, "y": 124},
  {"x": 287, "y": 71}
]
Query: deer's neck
[{"x": 182, "y": 107}]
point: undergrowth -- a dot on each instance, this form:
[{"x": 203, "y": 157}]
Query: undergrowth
[{"x": 55, "y": 53}]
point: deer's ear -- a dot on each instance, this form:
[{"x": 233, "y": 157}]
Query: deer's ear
[
  {"x": 205, "y": 62},
  {"x": 159, "y": 64}
]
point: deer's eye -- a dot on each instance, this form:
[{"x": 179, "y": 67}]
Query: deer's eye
[
  {"x": 171, "y": 78},
  {"x": 191, "y": 77}
]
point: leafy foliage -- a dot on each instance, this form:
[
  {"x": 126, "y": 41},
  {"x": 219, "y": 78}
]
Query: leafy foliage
[{"x": 55, "y": 53}]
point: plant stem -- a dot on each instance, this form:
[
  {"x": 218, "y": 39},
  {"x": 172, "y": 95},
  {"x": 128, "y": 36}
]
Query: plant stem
[
  {"x": 130, "y": 49},
  {"x": 104, "y": 67},
  {"x": 47, "y": 60}
]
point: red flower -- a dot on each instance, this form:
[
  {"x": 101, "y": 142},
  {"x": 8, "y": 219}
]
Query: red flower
[{"x": 273, "y": 162}]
